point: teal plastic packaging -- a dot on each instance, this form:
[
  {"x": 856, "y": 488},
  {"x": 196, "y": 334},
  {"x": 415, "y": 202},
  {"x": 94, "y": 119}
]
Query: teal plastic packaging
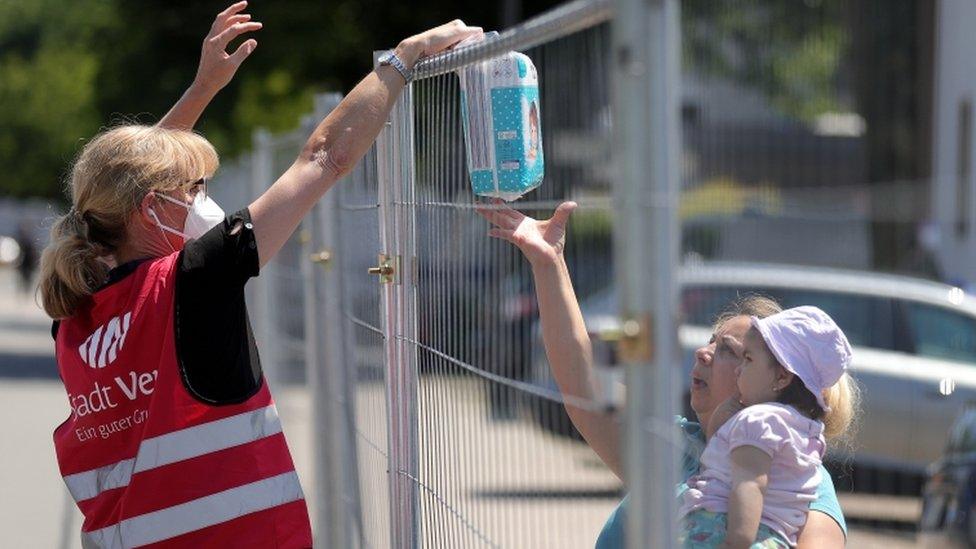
[{"x": 502, "y": 126}]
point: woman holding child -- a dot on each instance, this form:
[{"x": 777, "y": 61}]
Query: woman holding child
[{"x": 768, "y": 388}]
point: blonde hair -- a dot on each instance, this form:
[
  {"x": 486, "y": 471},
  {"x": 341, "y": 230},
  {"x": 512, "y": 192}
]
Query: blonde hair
[
  {"x": 751, "y": 304},
  {"x": 110, "y": 177},
  {"x": 844, "y": 400}
]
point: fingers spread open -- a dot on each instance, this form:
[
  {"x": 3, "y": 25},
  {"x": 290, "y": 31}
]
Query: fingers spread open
[
  {"x": 242, "y": 51},
  {"x": 233, "y": 31},
  {"x": 503, "y": 209},
  {"x": 234, "y": 19},
  {"x": 502, "y": 234},
  {"x": 514, "y": 215},
  {"x": 496, "y": 218},
  {"x": 563, "y": 211},
  {"x": 231, "y": 10}
]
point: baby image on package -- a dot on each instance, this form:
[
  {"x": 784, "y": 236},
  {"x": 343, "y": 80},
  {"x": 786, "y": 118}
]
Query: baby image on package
[{"x": 502, "y": 130}]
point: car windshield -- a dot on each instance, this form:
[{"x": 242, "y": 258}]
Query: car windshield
[{"x": 866, "y": 320}]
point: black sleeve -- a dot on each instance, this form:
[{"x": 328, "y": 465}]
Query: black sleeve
[{"x": 214, "y": 343}]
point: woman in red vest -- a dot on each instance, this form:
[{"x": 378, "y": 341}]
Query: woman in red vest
[{"x": 173, "y": 438}]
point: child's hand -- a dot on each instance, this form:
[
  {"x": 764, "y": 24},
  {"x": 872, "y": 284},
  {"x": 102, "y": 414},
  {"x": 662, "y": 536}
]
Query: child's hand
[
  {"x": 539, "y": 241},
  {"x": 723, "y": 412},
  {"x": 217, "y": 67}
]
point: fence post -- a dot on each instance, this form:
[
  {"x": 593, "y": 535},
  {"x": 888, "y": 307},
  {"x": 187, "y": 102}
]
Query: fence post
[
  {"x": 337, "y": 520},
  {"x": 262, "y": 168},
  {"x": 395, "y": 175},
  {"x": 646, "y": 69}
]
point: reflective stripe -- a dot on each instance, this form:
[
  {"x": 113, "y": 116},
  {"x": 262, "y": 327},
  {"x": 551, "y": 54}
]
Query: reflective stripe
[
  {"x": 91, "y": 483},
  {"x": 197, "y": 514},
  {"x": 177, "y": 446}
]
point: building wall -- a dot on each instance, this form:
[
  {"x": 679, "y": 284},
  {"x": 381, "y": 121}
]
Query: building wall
[{"x": 953, "y": 233}]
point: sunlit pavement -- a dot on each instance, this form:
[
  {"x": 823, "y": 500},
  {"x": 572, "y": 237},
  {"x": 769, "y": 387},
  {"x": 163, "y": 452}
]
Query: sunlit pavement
[{"x": 34, "y": 511}]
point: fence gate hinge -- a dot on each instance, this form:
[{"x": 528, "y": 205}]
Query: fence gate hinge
[
  {"x": 387, "y": 268},
  {"x": 634, "y": 340}
]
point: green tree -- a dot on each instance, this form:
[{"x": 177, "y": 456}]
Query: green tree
[
  {"x": 48, "y": 83},
  {"x": 791, "y": 51},
  {"x": 70, "y": 68}
]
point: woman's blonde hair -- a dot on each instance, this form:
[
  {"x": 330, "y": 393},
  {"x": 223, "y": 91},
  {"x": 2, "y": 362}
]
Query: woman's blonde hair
[
  {"x": 109, "y": 179},
  {"x": 750, "y": 304}
]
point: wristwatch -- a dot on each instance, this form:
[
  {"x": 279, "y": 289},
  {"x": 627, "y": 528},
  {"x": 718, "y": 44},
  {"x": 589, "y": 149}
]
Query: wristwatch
[{"x": 391, "y": 59}]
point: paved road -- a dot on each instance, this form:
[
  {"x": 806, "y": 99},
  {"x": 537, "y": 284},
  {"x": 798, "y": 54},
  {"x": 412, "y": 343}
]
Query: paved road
[{"x": 492, "y": 494}]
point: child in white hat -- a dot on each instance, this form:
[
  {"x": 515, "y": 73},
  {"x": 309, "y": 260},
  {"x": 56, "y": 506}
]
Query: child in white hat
[{"x": 760, "y": 470}]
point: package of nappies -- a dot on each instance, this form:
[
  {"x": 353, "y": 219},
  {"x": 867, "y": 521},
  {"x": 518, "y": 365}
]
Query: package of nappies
[{"x": 502, "y": 126}]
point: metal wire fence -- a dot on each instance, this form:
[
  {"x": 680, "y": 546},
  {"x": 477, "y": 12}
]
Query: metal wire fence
[
  {"x": 470, "y": 437},
  {"x": 439, "y": 421},
  {"x": 459, "y": 434}
]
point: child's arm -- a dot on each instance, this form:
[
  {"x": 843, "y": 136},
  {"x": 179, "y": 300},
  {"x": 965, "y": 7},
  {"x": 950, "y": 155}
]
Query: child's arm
[{"x": 750, "y": 470}]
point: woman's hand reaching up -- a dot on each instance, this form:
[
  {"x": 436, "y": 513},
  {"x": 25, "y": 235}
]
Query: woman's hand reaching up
[
  {"x": 540, "y": 241},
  {"x": 217, "y": 67}
]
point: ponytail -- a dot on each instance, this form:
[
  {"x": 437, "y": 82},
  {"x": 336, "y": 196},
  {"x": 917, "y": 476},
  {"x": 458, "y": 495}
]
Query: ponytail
[
  {"x": 71, "y": 270},
  {"x": 109, "y": 178},
  {"x": 844, "y": 400}
]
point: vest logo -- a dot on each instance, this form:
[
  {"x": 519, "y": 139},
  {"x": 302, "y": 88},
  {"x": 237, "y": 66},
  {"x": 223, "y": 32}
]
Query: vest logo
[{"x": 101, "y": 348}]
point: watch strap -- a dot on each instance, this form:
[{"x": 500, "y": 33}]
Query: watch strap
[{"x": 394, "y": 61}]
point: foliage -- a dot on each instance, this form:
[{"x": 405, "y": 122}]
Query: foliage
[
  {"x": 70, "y": 68},
  {"x": 48, "y": 85},
  {"x": 791, "y": 51}
]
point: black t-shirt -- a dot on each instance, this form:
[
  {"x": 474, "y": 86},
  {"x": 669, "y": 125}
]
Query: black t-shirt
[{"x": 215, "y": 347}]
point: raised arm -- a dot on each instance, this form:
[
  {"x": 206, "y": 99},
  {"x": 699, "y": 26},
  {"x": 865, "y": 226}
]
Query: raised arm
[
  {"x": 340, "y": 141},
  {"x": 750, "y": 473},
  {"x": 564, "y": 332},
  {"x": 216, "y": 68}
]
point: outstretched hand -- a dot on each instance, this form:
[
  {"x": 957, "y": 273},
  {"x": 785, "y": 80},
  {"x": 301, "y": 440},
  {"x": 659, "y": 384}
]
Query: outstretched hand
[
  {"x": 217, "y": 67},
  {"x": 540, "y": 241}
]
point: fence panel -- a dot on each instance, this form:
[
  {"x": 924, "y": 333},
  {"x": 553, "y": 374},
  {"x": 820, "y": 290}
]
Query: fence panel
[
  {"x": 480, "y": 451},
  {"x": 789, "y": 164}
]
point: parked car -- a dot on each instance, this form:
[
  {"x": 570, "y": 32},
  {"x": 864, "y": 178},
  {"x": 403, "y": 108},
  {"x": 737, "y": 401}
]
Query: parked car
[
  {"x": 949, "y": 497},
  {"x": 914, "y": 347}
]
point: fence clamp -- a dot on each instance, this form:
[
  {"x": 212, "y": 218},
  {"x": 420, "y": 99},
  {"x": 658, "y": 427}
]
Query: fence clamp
[
  {"x": 386, "y": 270},
  {"x": 633, "y": 339}
]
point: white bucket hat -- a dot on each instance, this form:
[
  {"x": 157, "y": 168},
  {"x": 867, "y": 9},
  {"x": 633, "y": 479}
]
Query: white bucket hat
[{"x": 807, "y": 342}]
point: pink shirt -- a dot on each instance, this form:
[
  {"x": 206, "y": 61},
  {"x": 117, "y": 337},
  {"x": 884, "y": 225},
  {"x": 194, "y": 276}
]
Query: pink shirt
[{"x": 796, "y": 445}]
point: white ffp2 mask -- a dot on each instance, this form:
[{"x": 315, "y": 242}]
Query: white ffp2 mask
[{"x": 202, "y": 215}]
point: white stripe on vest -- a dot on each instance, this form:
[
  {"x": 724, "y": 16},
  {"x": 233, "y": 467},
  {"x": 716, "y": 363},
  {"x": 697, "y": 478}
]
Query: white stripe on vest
[
  {"x": 197, "y": 514},
  {"x": 179, "y": 445}
]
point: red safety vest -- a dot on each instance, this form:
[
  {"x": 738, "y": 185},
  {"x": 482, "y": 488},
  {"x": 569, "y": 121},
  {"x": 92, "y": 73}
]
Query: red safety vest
[{"x": 149, "y": 464}]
